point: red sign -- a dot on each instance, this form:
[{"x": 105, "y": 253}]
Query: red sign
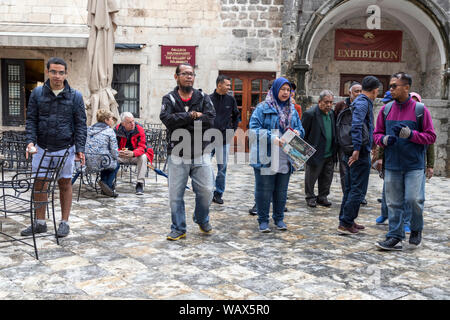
[
  {"x": 174, "y": 55},
  {"x": 368, "y": 45}
]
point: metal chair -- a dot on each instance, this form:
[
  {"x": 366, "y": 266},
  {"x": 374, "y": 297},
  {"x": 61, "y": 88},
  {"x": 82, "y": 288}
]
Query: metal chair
[
  {"x": 90, "y": 173},
  {"x": 32, "y": 191}
]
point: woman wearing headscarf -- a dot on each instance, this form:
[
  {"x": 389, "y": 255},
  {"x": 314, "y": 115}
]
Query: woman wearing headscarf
[{"x": 268, "y": 123}]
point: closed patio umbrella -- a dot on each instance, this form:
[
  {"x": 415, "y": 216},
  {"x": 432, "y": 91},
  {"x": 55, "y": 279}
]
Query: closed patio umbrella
[{"x": 101, "y": 20}]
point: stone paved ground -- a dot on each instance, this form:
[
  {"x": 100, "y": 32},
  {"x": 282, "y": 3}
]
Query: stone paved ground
[{"x": 118, "y": 250}]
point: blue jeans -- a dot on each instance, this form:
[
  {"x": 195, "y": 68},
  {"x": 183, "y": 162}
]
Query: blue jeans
[
  {"x": 202, "y": 183},
  {"x": 404, "y": 189},
  {"x": 222, "y": 159},
  {"x": 356, "y": 182},
  {"x": 384, "y": 208},
  {"x": 267, "y": 188},
  {"x": 109, "y": 175},
  {"x": 408, "y": 209}
]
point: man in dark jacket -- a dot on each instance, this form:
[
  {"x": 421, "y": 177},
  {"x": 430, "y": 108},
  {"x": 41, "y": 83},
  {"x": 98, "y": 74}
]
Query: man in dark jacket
[
  {"x": 56, "y": 120},
  {"x": 227, "y": 119},
  {"x": 187, "y": 113},
  {"x": 358, "y": 164},
  {"x": 133, "y": 147},
  {"x": 320, "y": 132}
]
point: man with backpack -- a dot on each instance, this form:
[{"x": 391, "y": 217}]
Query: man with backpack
[
  {"x": 357, "y": 155},
  {"x": 354, "y": 91},
  {"x": 187, "y": 113},
  {"x": 403, "y": 129}
]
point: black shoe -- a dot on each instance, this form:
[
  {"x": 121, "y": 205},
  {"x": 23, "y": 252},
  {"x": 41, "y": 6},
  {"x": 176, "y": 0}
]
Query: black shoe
[
  {"x": 415, "y": 237},
  {"x": 311, "y": 203},
  {"x": 324, "y": 202},
  {"x": 253, "y": 211},
  {"x": 364, "y": 202},
  {"x": 139, "y": 189},
  {"x": 390, "y": 244},
  {"x": 217, "y": 198}
]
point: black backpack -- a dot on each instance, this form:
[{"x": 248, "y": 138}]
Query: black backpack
[
  {"x": 343, "y": 131},
  {"x": 419, "y": 111}
]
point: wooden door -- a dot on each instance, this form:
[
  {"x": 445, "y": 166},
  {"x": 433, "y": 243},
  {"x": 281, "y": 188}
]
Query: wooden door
[{"x": 249, "y": 89}]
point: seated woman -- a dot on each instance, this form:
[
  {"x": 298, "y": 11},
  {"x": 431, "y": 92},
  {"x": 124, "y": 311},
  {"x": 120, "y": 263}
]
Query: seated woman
[
  {"x": 272, "y": 174},
  {"x": 101, "y": 151}
]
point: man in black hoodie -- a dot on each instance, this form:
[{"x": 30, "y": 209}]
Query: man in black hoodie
[{"x": 227, "y": 119}]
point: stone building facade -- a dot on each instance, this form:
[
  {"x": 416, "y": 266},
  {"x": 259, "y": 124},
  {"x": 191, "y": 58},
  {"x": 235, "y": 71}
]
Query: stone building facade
[{"x": 249, "y": 39}]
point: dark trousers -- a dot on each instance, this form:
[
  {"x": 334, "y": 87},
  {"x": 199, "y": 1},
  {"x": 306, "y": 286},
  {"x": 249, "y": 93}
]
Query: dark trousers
[
  {"x": 342, "y": 170},
  {"x": 321, "y": 173},
  {"x": 356, "y": 182}
]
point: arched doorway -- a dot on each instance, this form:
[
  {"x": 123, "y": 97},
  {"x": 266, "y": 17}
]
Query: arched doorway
[{"x": 423, "y": 23}]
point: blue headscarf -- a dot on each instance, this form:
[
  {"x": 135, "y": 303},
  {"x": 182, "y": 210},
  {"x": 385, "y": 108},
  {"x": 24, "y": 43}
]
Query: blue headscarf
[{"x": 283, "y": 108}]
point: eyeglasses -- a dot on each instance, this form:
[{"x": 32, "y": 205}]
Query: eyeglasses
[
  {"x": 394, "y": 85},
  {"x": 54, "y": 72},
  {"x": 187, "y": 74}
]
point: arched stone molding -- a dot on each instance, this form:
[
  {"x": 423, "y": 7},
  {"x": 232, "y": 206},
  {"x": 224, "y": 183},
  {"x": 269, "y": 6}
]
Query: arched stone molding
[{"x": 422, "y": 19}]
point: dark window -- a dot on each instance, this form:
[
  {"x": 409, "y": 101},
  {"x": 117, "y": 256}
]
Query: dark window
[
  {"x": 126, "y": 81},
  {"x": 347, "y": 79}
]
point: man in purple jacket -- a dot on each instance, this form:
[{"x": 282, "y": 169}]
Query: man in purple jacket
[{"x": 405, "y": 146}]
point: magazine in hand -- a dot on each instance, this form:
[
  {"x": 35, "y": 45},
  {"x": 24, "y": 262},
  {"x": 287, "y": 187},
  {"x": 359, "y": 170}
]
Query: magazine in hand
[{"x": 297, "y": 149}]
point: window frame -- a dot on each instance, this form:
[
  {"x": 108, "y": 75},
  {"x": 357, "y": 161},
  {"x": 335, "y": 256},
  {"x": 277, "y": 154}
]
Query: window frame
[{"x": 116, "y": 83}]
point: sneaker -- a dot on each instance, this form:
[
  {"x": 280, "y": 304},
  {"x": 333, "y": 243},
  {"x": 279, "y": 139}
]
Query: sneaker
[
  {"x": 264, "y": 227},
  {"x": 217, "y": 198},
  {"x": 281, "y": 225},
  {"x": 407, "y": 229},
  {"x": 63, "y": 230},
  {"x": 381, "y": 220},
  {"x": 106, "y": 190},
  {"x": 347, "y": 230},
  {"x": 175, "y": 235},
  {"x": 206, "y": 227},
  {"x": 415, "y": 238},
  {"x": 390, "y": 244},
  {"x": 38, "y": 228},
  {"x": 139, "y": 189},
  {"x": 253, "y": 211}
]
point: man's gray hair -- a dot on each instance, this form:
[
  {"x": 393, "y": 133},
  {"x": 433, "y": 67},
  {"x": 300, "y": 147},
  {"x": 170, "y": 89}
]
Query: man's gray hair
[
  {"x": 126, "y": 115},
  {"x": 325, "y": 93}
]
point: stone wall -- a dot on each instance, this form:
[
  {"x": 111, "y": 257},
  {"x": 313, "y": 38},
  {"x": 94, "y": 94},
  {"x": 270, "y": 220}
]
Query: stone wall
[{"x": 326, "y": 70}]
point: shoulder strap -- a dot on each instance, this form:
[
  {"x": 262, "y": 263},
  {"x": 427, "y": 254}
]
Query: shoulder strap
[
  {"x": 419, "y": 110},
  {"x": 172, "y": 99},
  {"x": 386, "y": 111}
]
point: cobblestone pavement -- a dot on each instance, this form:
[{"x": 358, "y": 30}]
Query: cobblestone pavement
[{"x": 117, "y": 249}]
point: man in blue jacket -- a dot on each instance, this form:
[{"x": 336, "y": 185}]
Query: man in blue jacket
[
  {"x": 358, "y": 164},
  {"x": 227, "y": 119},
  {"x": 56, "y": 119}
]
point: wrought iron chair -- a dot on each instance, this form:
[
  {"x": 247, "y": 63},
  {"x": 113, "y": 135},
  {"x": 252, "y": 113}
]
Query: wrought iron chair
[
  {"x": 32, "y": 191},
  {"x": 90, "y": 173}
]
